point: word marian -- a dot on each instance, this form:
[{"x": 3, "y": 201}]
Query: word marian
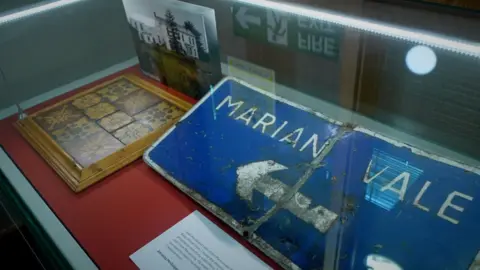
[{"x": 268, "y": 120}]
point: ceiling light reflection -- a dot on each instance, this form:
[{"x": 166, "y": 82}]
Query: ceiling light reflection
[
  {"x": 421, "y": 60},
  {"x": 29, "y": 11},
  {"x": 451, "y": 44}
]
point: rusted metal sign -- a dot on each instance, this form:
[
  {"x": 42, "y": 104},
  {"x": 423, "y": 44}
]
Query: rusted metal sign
[{"x": 314, "y": 193}]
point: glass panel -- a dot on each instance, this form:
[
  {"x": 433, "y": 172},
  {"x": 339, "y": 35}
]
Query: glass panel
[
  {"x": 330, "y": 134},
  {"x": 10, "y": 5},
  {"x": 57, "y": 45},
  {"x": 344, "y": 189}
]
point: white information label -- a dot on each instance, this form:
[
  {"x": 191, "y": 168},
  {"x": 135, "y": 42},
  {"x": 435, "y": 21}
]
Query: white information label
[{"x": 195, "y": 243}]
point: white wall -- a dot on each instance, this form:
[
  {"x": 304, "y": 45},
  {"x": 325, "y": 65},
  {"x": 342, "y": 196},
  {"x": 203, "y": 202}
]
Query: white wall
[{"x": 57, "y": 47}]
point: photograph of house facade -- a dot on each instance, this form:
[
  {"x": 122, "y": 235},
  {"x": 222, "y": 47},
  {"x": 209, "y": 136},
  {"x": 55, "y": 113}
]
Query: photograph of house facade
[
  {"x": 172, "y": 44},
  {"x": 155, "y": 32}
]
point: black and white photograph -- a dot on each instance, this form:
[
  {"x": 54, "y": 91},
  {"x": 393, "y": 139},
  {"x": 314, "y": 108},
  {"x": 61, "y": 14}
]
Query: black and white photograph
[{"x": 176, "y": 43}]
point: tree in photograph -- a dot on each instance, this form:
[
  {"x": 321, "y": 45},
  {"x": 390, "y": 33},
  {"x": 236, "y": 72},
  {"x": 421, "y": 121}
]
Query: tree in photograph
[
  {"x": 202, "y": 52},
  {"x": 173, "y": 33}
]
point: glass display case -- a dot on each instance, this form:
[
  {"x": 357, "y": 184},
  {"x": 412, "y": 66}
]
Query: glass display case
[{"x": 323, "y": 134}]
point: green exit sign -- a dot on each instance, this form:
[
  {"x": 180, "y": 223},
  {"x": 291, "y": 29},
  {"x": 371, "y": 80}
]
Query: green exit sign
[{"x": 290, "y": 31}]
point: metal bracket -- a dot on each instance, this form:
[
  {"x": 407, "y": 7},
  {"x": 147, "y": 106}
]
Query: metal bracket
[{"x": 21, "y": 112}]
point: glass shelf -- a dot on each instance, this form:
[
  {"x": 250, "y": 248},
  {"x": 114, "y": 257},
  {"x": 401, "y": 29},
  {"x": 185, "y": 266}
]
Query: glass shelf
[{"x": 393, "y": 82}]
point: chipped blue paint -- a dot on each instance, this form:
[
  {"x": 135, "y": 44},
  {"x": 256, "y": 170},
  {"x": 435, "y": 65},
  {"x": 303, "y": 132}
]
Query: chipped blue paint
[{"x": 202, "y": 153}]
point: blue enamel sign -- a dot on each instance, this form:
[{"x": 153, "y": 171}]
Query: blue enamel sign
[{"x": 314, "y": 193}]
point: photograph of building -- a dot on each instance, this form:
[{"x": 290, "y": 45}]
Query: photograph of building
[
  {"x": 176, "y": 43},
  {"x": 159, "y": 31}
]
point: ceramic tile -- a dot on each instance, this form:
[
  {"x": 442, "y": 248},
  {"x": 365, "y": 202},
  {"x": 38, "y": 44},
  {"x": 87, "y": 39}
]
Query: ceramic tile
[
  {"x": 136, "y": 102},
  {"x": 76, "y": 130},
  {"x": 132, "y": 132},
  {"x": 92, "y": 148},
  {"x": 159, "y": 115},
  {"x": 58, "y": 117},
  {"x": 118, "y": 89},
  {"x": 100, "y": 110},
  {"x": 86, "y": 101},
  {"x": 115, "y": 121}
]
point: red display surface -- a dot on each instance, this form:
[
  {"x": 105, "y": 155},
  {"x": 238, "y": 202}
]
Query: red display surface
[{"x": 120, "y": 214}]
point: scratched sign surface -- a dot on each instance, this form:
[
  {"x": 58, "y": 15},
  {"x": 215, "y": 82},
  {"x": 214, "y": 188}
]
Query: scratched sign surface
[{"x": 313, "y": 193}]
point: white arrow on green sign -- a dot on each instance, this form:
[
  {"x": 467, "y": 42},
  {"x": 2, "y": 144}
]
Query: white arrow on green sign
[
  {"x": 244, "y": 19},
  {"x": 290, "y": 31}
]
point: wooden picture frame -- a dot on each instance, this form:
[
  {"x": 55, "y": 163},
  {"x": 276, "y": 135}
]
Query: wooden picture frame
[{"x": 110, "y": 118}]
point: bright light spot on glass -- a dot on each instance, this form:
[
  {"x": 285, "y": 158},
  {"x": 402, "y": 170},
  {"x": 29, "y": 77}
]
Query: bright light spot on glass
[
  {"x": 421, "y": 60},
  {"x": 29, "y": 11},
  {"x": 379, "y": 262}
]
